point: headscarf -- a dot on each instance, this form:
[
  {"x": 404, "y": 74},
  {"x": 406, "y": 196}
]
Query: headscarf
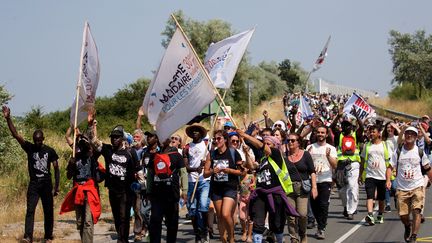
[{"x": 276, "y": 142}]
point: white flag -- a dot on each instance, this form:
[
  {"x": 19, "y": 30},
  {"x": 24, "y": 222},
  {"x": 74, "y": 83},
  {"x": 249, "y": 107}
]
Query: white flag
[
  {"x": 222, "y": 58},
  {"x": 88, "y": 78},
  {"x": 304, "y": 111},
  {"x": 321, "y": 56},
  {"x": 363, "y": 109},
  {"x": 179, "y": 91}
]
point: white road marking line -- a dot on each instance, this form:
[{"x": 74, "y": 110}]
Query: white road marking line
[{"x": 351, "y": 231}]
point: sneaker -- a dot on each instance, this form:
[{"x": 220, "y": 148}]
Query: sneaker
[
  {"x": 387, "y": 209},
  {"x": 350, "y": 217},
  {"x": 380, "y": 219},
  {"x": 198, "y": 239},
  {"x": 138, "y": 238},
  {"x": 205, "y": 238},
  {"x": 26, "y": 240},
  {"x": 407, "y": 232},
  {"x": 311, "y": 225},
  {"x": 370, "y": 220},
  {"x": 320, "y": 235},
  {"x": 412, "y": 239}
]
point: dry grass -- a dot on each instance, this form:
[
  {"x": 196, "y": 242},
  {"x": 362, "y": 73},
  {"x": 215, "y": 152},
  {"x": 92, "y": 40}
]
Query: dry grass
[{"x": 417, "y": 108}]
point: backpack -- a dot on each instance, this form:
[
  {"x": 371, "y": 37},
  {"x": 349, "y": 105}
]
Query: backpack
[
  {"x": 348, "y": 145},
  {"x": 162, "y": 164},
  {"x": 420, "y": 153}
]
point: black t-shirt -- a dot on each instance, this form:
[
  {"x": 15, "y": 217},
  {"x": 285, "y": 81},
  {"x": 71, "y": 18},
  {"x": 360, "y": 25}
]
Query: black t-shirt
[
  {"x": 168, "y": 188},
  {"x": 39, "y": 160},
  {"x": 120, "y": 167},
  {"x": 85, "y": 168},
  {"x": 305, "y": 167},
  {"x": 225, "y": 160},
  {"x": 266, "y": 176}
]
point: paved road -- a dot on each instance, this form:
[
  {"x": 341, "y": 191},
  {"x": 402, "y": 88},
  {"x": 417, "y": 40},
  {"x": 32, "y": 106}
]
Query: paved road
[{"x": 338, "y": 229}]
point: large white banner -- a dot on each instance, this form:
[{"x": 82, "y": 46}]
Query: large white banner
[
  {"x": 222, "y": 58},
  {"x": 88, "y": 76},
  {"x": 363, "y": 109},
  {"x": 179, "y": 91}
]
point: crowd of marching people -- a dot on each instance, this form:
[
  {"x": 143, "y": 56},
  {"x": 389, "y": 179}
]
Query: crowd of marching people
[{"x": 266, "y": 176}]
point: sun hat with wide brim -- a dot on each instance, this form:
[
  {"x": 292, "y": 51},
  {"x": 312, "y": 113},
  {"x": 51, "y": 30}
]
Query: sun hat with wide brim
[{"x": 192, "y": 128}]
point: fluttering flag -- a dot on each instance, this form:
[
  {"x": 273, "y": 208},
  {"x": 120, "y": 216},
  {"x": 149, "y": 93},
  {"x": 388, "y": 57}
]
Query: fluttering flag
[
  {"x": 222, "y": 58},
  {"x": 88, "y": 78},
  {"x": 304, "y": 111},
  {"x": 321, "y": 56},
  {"x": 363, "y": 109},
  {"x": 180, "y": 89}
]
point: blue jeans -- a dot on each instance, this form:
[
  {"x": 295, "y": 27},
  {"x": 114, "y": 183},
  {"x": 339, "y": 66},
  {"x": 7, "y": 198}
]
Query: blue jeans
[
  {"x": 201, "y": 199},
  {"x": 199, "y": 205},
  {"x": 388, "y": 192}
]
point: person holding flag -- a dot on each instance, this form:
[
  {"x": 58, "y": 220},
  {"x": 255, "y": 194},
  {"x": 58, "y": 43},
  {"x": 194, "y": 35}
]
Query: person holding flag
[
  {"x": 120, "y": 164},
  {"x": 195, "y": 154}
]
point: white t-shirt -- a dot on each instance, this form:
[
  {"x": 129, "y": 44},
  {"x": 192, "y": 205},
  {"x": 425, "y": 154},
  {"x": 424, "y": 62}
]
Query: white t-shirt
[
  {"x": 375, "y": 164},
  {"x": 322, "y": 165},
  {"x": 392, "y": 143},
  {"x": 197, "y": 153},
  {"x": 409, "y": 176}
]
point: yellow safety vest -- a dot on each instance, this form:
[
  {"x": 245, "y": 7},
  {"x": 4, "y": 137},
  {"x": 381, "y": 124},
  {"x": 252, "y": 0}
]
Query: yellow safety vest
[
  {"x": 282, "y": 174},
  {"x": 386, "y": 157},
  {"x": 354, "y": 157}
]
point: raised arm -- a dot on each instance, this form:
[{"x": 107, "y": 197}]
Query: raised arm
[
  {"x": 254, "y": 142},
  {"x": 92, "y": 130},
  {"x": 6, "y": 114},
  {"x": 139, "y": 118}
]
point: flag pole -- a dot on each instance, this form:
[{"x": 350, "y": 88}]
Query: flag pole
[
  {"x": 203, "y": 68},
  {"x": 78, "y": 89},
  {"x": 217, "y": 112}
]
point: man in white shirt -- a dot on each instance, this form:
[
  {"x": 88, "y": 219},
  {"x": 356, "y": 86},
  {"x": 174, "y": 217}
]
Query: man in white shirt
[
  {"x": 324, "y": 157},
  {"x": 194, "y": 156},
  {"x": 409, "y": 179},
  {"x": 375, "y": 158}
]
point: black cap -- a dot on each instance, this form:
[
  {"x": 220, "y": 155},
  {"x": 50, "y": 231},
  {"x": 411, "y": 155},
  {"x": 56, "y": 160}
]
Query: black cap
[
  {"x": 150, "y": 133},
  {"x": 117, "y": 131}
]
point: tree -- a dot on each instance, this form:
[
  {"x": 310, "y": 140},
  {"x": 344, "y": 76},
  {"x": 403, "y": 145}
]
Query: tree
[
  {"x": 10, "y": 156},
  {"x": 288, "y": 74},
  {"x": 35, "y": 118},
  {"x": 412, "y": 59}
]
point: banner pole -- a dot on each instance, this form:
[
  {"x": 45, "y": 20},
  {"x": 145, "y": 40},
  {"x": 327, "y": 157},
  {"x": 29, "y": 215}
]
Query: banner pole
[
  {"x": 203, "y": 68},
  {"x": 78, "y": 89}
]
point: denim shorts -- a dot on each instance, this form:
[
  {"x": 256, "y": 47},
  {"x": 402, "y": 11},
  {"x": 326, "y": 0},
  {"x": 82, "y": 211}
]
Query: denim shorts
[{"x": 220, "y": 193}]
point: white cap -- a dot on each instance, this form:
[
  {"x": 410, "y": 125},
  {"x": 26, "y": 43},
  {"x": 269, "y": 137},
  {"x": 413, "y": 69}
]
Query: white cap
[{"x": 411, "y": 128}]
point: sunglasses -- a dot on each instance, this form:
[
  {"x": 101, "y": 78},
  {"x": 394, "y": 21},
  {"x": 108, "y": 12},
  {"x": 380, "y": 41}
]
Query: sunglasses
[
  {"x": 291, "y": 140},
  {"x": 175, "y": 138},
  {"x": 226, "y": 127},
  {"x": 218, "y": 138},
  {"x": 234, "y": 141},
  {"x": 278, "y": 125}
]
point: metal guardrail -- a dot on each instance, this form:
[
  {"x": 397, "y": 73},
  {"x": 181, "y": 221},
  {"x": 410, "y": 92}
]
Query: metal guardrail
[{"x": 395, "y": 113}]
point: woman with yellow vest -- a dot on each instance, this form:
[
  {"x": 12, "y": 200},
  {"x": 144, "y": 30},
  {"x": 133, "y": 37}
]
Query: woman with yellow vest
[{"x": 273, "y": 183}]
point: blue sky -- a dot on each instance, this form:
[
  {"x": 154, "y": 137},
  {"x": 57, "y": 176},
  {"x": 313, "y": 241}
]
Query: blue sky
[{"x": 40, "y": 40}]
